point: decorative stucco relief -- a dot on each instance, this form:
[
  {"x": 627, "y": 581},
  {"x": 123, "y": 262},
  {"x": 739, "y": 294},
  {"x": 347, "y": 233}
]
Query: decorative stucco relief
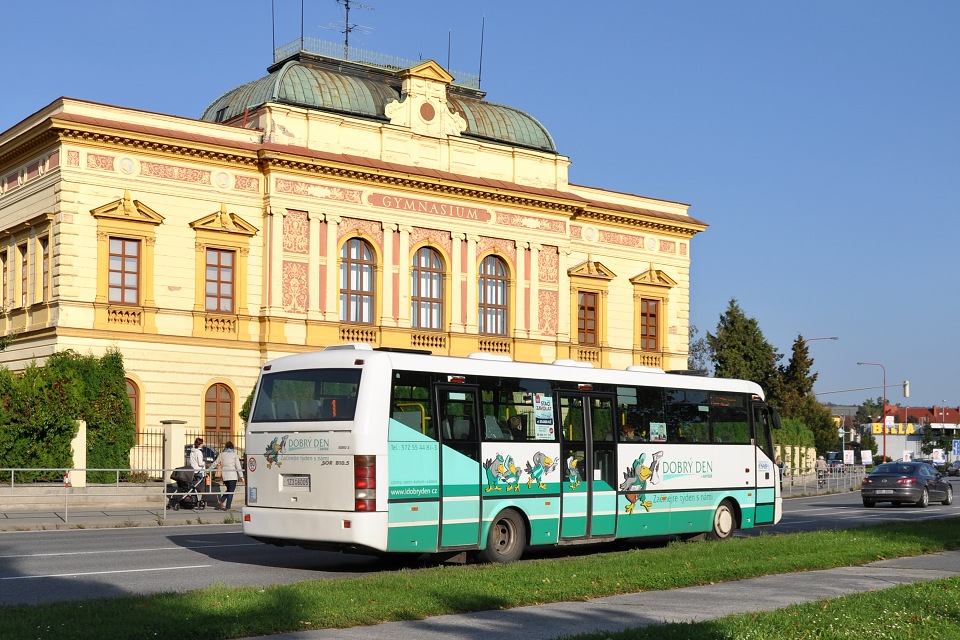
[
  {"x": 73, "y": 158},
  {"x": 549, "y": 263},
  {"x": 246, "y": 183},
  {"x": 549, "y": 303},
  {"x": 319, "y": 191},
  {"x": 97, "y": 161},
  {"x": 296, "y": 232},
  {"x": 531, "y": 222},
  {"x": 371, "y": 229},
  {"x": 622, "y": 239},
  {"x": 668, "y": 246},
  {"x": 576, "y": 231},
  {"x": 294, "y": 286},
  {"x": 434, "y": 236},
  {"x": 501, "y": 246},
  {"x": 171, "y": 172}
]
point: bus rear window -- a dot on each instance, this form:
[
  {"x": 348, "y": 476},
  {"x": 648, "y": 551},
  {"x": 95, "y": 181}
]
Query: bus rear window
[{"x": 307, "y": 395}]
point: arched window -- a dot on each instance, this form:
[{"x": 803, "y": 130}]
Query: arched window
[
  {"x": 356, "y": 282},
  {"x": 133, "y": 395},
  {"x": 426, "y": 290},
  {"x": 492, "y": 297},
  {"x": 218, "y": 415}
]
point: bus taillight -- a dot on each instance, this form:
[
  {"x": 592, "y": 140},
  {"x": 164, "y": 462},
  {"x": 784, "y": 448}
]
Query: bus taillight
[{"x": 365, "y": 483}]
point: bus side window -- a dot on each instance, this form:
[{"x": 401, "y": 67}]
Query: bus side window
[{"x": 462, "y": 429}]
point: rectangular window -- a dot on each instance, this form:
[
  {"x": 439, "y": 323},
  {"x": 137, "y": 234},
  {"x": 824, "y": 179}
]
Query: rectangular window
[
  {"x": 124, "y": 271},
  {"x": 44, "y": 269},
  {"x": 648, "y": 324},
  {"x": 587, "y": 318},
  {"x": 6, "y": 282},
  {"x": 219, "y": 281},
  {"x": 24, "y": 274}
]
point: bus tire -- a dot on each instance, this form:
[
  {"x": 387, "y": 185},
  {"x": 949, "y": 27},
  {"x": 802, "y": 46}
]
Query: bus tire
[
  {"x": 724, "y": 522},
  {"x": 506, "y": 539}
]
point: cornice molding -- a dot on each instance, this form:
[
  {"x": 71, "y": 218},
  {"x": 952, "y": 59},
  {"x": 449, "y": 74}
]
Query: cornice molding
[
  {"x": 621, "y": 220},
  {"x": 359, "y": 175},
  {"x": 29, "y": 148},
  {"x": 104, "y": 139}
]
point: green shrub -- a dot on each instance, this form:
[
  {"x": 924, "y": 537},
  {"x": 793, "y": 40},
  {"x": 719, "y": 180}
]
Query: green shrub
[{"x": 40, "y": 407}]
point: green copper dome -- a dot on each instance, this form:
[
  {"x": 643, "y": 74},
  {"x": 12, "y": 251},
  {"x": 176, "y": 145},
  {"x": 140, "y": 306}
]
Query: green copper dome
[{"x": 352, "y": 89}]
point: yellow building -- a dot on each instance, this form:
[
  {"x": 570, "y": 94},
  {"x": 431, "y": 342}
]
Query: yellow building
[{"x": 329, "y": 201}]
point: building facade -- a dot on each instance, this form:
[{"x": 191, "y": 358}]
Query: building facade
[{"x": 329, "y": 201}]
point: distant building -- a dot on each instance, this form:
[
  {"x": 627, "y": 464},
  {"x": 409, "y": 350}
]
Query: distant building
[{"x": 329, "y": 201}]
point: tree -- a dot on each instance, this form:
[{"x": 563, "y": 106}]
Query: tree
[
  {"x": 869, "y": 410},
  {"x": 739, "y": 350},
  {"x": 699, "y": 355},
  {"x": 796, "y": 379}
]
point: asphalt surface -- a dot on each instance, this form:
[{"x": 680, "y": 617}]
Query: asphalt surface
[{"x": 551, "y": 621}]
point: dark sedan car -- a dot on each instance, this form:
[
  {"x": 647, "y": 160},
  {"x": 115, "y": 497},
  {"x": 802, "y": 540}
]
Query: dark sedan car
[
  {"x": 954, "y": 469},
  {"x": 898, "y": 482}
]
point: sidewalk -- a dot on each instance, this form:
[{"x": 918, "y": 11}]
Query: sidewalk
[
  {"x": 97, "y": 507},
  {"x": 691, "y": 604}
]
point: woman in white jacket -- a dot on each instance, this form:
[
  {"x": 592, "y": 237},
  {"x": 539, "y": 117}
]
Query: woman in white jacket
[{"x": 228, "y": 465}]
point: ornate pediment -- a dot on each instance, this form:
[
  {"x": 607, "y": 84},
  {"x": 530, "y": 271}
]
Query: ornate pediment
[
  {"x": 224, "y": 222},
  {"x": 654, "y": 277},
  {"x": 129, "y": 210},
  {"x": 428, "y": 70},
  {"x": 591, "y": 269}
]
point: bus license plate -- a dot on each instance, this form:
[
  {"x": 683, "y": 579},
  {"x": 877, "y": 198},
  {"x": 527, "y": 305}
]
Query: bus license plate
[{"x": 296, "y": 482}]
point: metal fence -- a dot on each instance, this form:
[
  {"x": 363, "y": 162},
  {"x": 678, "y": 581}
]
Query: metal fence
[
  {"x": 217, "y": 441},
  {"x": 148, "y": 452},
  {"x": 19, "y": 491},
  {"x": 806, "y": 481}
]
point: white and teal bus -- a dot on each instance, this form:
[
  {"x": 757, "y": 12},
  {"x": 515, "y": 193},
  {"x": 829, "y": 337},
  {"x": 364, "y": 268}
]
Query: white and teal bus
[{"x": 378, "y": 451}]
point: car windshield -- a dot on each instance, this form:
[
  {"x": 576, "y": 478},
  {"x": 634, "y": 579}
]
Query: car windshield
[{"x": 894, "y": 467}]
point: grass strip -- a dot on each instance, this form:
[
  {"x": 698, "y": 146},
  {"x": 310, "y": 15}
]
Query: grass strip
[
  {"x": 222, "y": 612},
  {"x": 917, "y": 611}
]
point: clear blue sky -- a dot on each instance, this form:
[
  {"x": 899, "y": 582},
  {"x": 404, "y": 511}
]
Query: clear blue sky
[{"x": 819, "y": 139}]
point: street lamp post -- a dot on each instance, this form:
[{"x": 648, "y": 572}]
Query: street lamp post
[
  {"x": 830, "y": 338},
  {"x": 883, "y": 409}
]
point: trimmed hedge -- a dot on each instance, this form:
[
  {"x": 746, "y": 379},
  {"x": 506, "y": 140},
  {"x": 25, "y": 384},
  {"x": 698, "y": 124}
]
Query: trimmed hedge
[{"x": 40, "y": 406}]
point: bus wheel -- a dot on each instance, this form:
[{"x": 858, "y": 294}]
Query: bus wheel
[
  {"x": 506, "y": 540},
  {"x": 724, "y": 522}
]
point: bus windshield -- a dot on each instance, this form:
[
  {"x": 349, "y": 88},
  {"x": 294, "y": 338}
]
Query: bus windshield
[{"x": 307, "y": 394}]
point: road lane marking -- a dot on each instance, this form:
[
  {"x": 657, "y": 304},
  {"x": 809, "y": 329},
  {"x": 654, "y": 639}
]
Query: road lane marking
[
  {"x": 88, "y": 553},
  {"x": 102, "y": 573}
]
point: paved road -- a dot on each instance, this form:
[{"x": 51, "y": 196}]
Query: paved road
[
  {"x": 73, "y": 564},
  {"x": 48, "y": 566}
]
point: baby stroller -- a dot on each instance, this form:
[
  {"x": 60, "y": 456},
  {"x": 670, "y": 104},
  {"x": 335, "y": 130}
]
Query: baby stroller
[{"x": 190, "y": 484}]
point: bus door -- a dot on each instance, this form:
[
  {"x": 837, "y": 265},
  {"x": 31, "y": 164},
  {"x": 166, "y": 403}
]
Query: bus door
[
  {"x": 588, "y": 505},
  {"x": 768, "y": 475},
  {"x": 457, "y": 413}
]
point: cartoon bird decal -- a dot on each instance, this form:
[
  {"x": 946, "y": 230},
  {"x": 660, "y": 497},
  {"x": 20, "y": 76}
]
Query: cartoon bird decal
[
  {"x": 636, "y": 478},
  {"x": 274, "y": 449},
  {"x": 511, "y": 474},
  {"x": 573, "y": 472},
  {"x": 542, "y": 465},
  {"x": 494, "y": 468}
]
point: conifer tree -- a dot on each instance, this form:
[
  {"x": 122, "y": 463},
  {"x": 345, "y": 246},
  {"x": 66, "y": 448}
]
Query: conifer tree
[{"x": 739, "y": 350}]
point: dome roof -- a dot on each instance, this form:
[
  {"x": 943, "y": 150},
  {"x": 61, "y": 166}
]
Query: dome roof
[{"x": 335, "y": 89}]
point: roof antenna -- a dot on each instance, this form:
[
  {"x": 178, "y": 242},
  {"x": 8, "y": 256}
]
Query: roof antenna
[
  {"x": 347, "y": 27},
  {"x": 483, "y": 20}
]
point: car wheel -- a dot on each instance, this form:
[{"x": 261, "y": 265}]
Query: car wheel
[
  {"x": 924, "y": 499},
  {"x": 949, "y": 499},
  {"x": 724, "y": 522},
  {"x": 868, "y": 503},
  {"x": 506, "y": 540}
]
